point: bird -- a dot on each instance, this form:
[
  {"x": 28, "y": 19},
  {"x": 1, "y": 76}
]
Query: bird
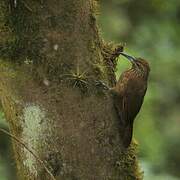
[{"x": 128, "y": 95}]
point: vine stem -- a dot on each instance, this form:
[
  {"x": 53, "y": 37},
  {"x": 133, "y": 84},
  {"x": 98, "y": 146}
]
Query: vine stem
[{"x": 30, "y": 151}]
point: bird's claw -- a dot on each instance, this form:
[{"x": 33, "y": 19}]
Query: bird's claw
[{"x": 101, "y": 84}]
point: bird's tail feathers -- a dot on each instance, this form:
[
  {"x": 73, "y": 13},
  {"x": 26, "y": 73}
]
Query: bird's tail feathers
[{"x": 127, "y": 137}]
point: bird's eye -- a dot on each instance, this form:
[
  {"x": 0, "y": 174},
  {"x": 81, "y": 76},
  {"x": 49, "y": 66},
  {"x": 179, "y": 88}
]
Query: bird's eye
[{"x": 139, "y": 65}]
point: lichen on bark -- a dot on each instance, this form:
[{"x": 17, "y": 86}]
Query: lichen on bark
[{"x": 34, "y": 127}]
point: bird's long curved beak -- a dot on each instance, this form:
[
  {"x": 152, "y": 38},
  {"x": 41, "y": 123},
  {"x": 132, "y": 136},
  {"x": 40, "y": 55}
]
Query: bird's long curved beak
[{"x": 130, "y": 58}]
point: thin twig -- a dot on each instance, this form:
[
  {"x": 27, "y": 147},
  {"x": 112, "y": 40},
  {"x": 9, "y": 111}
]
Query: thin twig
[
  {"x": 27, "y": 6},
  {"x": 29, "y": 150}
]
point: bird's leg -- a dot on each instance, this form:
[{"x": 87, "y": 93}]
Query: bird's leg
[{"x": 99, "y": 83}]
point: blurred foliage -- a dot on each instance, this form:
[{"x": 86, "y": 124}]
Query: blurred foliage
[{"x": 151, "y": 30}]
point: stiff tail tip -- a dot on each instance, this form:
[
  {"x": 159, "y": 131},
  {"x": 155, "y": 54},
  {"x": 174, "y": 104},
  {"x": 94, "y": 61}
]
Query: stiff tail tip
[{"x": 127, "y": 136}]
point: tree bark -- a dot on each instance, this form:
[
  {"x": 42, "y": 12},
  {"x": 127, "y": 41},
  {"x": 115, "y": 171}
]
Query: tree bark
[{"x": 51, "y": 59}]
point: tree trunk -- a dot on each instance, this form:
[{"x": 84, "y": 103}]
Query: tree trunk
[{"x": 51, "y": 59}]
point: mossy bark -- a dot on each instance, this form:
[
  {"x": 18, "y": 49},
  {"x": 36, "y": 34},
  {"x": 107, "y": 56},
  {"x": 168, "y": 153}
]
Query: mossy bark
[{"x": 51, "y": 59}]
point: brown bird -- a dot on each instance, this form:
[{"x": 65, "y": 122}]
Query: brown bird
[{"x": 129, "y": 94}]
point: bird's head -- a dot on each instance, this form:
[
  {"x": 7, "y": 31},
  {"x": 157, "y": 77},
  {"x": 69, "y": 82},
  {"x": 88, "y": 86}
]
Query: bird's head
[{"x": 139, "y": 64}]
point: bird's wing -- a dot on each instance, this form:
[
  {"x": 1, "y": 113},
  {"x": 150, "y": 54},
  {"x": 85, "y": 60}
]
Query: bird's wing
[
  {"x": 132, "y": 102},
  {"x": 118, "y": 93},
  {"x": 122, "y": 109}
]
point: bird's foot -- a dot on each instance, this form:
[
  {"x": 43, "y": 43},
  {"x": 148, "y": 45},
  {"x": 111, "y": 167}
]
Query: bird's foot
[{"x": 101, "y": 84}]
